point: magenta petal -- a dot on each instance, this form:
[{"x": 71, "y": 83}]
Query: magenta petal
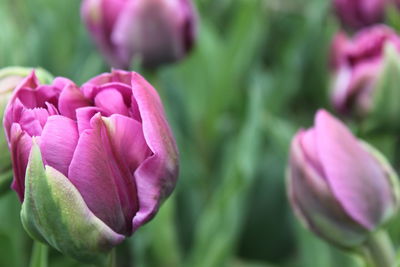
[
  {"x": 29, "y": 120},
  {"x": 58, "y": 142},
  {"x": 110, "y": 101},
  {"x": 20, "y": 146},
  {"x": 156, "y": 177},
  {"x": 84, "y": 116},
  {"x": 126, "y": 137},
  {"x": 116, "y": 76},
  {"x": 309, "y": 146},
  {"x": 71, "y": 98},
  {"x": 313, "y": 201},
  {"x": 355, "y": 178},
  {"x": 38, "y": 96},
  {"x": 104, "y": 183}
]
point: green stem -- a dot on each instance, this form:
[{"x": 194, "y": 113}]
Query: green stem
[
  {"x": 39, "y": 257},
  {"x": 378, "y": 250},
  {"x": 112, "y": 258}
]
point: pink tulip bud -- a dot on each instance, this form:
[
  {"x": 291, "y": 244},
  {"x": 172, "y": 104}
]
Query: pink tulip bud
[
  {"x": 340, "y": 187},
  {"x": 357, "y": 64},
  {"x": 357, "y": 14},
  {"x": 109, "y": 138},
  {"x": 152, "y": 32}
]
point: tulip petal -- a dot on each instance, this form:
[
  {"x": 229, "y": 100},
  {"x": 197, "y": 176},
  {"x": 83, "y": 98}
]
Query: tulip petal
[
  {"x": 116, "y": 76},
  {"x": 315, "y": 204},
  {"x": 119, "y": 80},
  {"x": 308, "y": 144},
  {"x": 105, "y": 184},
  {"x": 71, "y": 98},
  {"x": 156, "y": 176},
  {"x": 110, "y": 101},
  {"x": 20, "y": 146},
  {"x": 58, "y": 142},
  {"x": 32, "y": 97},
  {"x": 28, "y": 119},
  {"x": 54, "y": 212},
  {"x": 126, "y": 137},
  {"x": 84, "y": 115},
  {"x": 354, "y": 176}
]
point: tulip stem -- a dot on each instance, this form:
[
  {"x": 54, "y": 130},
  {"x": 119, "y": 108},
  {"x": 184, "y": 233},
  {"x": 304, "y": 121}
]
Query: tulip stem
[
  {"x": 112, "y": 258},
  {"x": 39, "y": 257},
  {"x": 378, "y": 250}
]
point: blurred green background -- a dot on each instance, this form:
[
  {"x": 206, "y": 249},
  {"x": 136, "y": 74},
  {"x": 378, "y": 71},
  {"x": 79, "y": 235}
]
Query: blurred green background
[{"x": 258, "y": 73}]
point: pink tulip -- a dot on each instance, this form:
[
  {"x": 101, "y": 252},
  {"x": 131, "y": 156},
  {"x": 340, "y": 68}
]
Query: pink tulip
[
  {"x": 110, "y": 138},
  {"x": 356, "y": 67},
  {"x": 360, "y": 13},
  {"x": 340, "y": 187},
  {"x": 153, "y": 32}
]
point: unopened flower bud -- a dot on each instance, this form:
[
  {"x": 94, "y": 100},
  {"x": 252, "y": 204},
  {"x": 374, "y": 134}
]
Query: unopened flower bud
[
  {"x": 152, "y": 32},
  {"x": 340, "y": 187}
]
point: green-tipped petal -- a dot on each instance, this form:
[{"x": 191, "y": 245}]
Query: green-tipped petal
[{"x": 54, "y": 212}]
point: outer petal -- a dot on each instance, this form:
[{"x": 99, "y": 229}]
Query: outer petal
[
  {"x": 356, "y": 179},
  {"x": 115, "y": 76},
  {"x": 20, "y": 146},
  {"x": 54, "y": 212},
  {"x": 157, "y": 176},
  {"x": 11, "y": 112},
  {"x": 314, "y": 203},
  {"x": 58, "y": 142},
  {"x": 30, "y": 120},
  {"x": 126, "y": 137},
  {"x": 307, "y": 141},
  {"x": 104, "y": 183},
  {"x": 37, "y": 96}
]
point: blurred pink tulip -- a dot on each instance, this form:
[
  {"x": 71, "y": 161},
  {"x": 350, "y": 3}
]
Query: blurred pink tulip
[
  {"x": 357, "y": 14},
  {"x": 153, "y": 32},
  {"x": 110, "y": 138},
  {"x": 341, "y": 188},
  {"x": 356, "y": 67}
]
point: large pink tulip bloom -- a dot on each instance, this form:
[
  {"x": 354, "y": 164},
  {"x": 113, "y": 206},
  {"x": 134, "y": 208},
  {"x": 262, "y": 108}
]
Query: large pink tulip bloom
[{"x": 110, "y": 138}]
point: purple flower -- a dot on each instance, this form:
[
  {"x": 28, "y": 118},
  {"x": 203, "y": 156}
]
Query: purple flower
[
  {"x": 109, "y": 138},
  {"x": 153, "y": 32},
  {"x": 340, "y": 187},
  {"x": 356, "y": 67},
  {"x": 360, "y": 13}
]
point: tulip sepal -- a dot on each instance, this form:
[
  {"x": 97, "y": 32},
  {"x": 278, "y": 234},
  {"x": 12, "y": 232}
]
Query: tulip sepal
[{"x": 54, "y": 213}]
